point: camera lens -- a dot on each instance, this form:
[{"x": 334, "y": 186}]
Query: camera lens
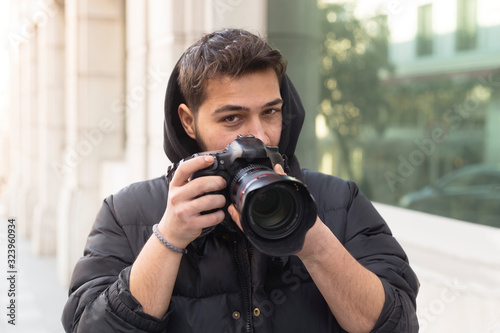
[
  {"x": 270, "y": 203},
  {"x": 273, "y": 208}
]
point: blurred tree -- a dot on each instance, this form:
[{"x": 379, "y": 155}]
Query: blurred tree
[
  {"x": 353, "y": 55},
  {"x": 431, "y": 101}
]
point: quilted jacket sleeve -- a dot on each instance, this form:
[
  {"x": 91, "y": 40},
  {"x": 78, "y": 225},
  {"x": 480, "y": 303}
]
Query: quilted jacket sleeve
[
  {"x": 365, "y": 234},
  {"x": 373, "y": 245},
  {"x": 99, "y": 298}
]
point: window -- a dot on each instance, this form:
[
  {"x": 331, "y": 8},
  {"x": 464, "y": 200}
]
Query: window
[
  {"x": 417, "y": 134},
  {"x": 466, "y": 34},
  {"x": 424, "y": 32}
]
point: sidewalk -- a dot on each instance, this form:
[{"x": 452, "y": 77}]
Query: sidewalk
[{"x": 39, "y": 297}]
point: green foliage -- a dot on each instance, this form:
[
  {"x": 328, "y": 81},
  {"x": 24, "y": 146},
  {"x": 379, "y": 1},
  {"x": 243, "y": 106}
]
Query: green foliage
[{"x": 353, "y": 54}]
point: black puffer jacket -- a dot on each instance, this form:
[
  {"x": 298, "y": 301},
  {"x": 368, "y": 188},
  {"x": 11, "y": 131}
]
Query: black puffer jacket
[{"x": 224, "y": 284}]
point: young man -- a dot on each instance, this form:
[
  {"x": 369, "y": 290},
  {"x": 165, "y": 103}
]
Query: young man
[{"x": 350, "y": 274}]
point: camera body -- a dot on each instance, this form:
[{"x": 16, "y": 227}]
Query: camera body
[
  {"x": 239, "y": 155},
  {"x": 275, "y": 210}
]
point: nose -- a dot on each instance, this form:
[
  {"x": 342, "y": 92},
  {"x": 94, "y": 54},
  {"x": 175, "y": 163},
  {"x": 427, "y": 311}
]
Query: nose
[{"x": 257, "y": 129}]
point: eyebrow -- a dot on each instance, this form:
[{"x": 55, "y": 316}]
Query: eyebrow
[{"x": 230, "y": 107}]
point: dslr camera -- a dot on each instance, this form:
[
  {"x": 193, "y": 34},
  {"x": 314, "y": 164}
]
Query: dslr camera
[{"x": 275, "y": 210}]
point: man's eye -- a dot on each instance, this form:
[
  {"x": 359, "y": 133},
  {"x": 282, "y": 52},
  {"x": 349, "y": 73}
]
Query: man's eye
[
  {"x": 272, "y": 111},
  {"x": 230, "y": 119}
]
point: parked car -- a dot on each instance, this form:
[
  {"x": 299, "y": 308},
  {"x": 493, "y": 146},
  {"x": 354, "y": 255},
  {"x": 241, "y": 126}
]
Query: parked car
[{"x": 470, "y": 193}]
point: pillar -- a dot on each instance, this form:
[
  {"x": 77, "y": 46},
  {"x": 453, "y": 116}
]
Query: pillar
[
  {"x": 294, "y": 30},
  {"x": 50, "y": 136},
  {"x": 95, "y": 76}
]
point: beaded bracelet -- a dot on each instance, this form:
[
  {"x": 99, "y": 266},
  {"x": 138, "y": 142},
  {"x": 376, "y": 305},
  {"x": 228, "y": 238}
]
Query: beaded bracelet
[{"x": 165, "y": 242}]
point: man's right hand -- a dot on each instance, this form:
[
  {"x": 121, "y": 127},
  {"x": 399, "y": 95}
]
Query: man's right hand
[
  {"x": 183, "y": 221},
  {"x": 154, "y": 272}
]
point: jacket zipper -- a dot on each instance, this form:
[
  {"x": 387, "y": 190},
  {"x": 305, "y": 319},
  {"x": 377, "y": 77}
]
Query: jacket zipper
[{"x": 245, "y": 287}]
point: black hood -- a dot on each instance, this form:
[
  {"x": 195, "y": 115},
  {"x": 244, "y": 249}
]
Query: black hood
[{"x": 178, "y": 145}]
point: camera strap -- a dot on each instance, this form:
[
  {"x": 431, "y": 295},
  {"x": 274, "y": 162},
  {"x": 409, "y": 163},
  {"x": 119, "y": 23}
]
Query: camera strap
[
  {"x": 286, "y": 167},
  {"x": 171, "y": 170}
]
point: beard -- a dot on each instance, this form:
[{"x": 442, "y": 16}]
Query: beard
[{"x": 199, "y": 139}]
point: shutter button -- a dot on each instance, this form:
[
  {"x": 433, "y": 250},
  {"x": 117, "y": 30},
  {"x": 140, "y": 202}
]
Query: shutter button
[{"x": 256, "y": 312}]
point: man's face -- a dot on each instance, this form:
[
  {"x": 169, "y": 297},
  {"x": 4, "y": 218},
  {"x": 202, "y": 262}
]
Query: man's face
[{"x": 248, "y": 105}]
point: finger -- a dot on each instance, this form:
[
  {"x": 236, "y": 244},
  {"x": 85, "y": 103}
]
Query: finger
[
  {"x": 279, "y": 169},
  {"x": 235, "y": 215},
  {"x": 207, "y": 203},
  {"x": 199, "y": 222},
  {"x": 186, "y": 168},
  {"x": 189, "y": 213},
  {"x": 194, "y": 189},
  {"x": 205, "y": 184},
  {"x": 208, "y": 220}
]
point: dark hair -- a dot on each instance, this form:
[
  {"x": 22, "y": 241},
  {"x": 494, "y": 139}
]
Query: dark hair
[{"x": 228, "y": 52}]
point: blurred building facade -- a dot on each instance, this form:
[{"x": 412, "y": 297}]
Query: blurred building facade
[
  {"x": 86, "y": 116},
  {"x": 445, "y": 85},
  {"x": 87, "y": 87},
  {"x": 456, "y": 40}
]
